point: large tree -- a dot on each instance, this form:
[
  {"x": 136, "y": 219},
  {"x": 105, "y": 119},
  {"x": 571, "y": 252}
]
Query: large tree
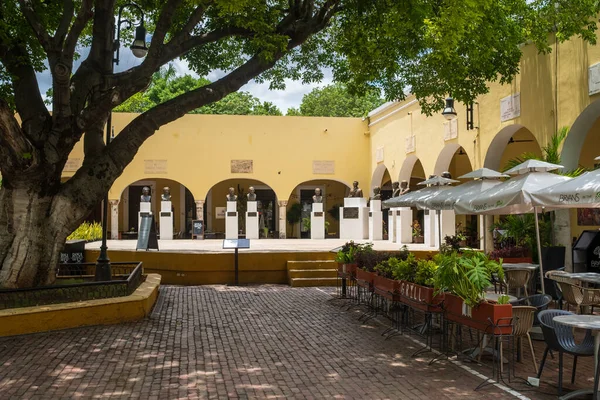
[
  {"x": 335, "y": 101},
  {"x": 433, "y": 47}
]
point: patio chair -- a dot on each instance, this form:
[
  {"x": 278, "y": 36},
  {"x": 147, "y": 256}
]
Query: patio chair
[
  {"x": 579, "y": 296},
  {"x": 560, "y": 338},
  {"x": 539, "y": 301},
  {"x": 517, "y": 278},
  {"x": 552, "y": 288},
  {"x": 523, "y": 317}
]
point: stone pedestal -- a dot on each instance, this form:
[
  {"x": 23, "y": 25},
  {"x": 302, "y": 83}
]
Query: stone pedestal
[
  {"x": 282, "y": 220},
  {"x": 252, "y": 220},
  {"x": 404, "y": 225},
  {"x": 392, "y": 234},
  {"x": 354, "y": 219},
  {"x": 166, "y": 221},
  {"x": 317, "y": 222},
  {"x": 145, "y": 208},
  {"x": 430, "y": 228},
  {"x": 231, "y": 220},
  {"x": 375, "y": 221},
  {"x": 114, "y": 219}
]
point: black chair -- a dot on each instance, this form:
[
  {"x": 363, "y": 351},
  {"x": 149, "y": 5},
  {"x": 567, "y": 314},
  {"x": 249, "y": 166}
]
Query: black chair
[
  {"x": 539, "y": 301},
  {"x": 560, "y": 338},
  {"x": 553, "y": 290}
]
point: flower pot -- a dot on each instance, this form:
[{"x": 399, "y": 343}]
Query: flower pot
[
  {"x": 420, "y": 297},
  {"x": 348, "y": 269},
  {"x": 479, "y": 317},
  {"x": 517, "y": 260},
  {"x": 365, "y": 278},
  {"x": 418, "y": 239},
  {"x": 388, "y": 288}
]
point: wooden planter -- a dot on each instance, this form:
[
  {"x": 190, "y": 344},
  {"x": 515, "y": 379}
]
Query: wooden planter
[
  {"x": 420, "y": 297},
  {"x": 418, "y": 239},
  {"x": 480, "y": 316},
  {"x": 365, "y": 278},
  {"x": 388, "y": 288},
  {"x": 348, "y": 269},
  {"x": 517, "y": 260}
]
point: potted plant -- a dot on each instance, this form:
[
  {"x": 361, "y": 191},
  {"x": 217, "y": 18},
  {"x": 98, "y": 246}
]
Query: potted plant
[
  {"x": 384, "y": 283},
  {"x": 294, "y": 214},
  {"x": 515, "y": 239},
  {"x": 417, "y": 232},
  {"x": 465, "y": 278},
  {"x": 345, "y": 258},
  {"x": 417, "y": 283}
]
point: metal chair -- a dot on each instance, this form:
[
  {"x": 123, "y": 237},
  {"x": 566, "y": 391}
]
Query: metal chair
[
  {"x": 517, "y": 278},
  {"x": 579, "y": 296},
  {"x": 523, "y": 316},
  {"x": 552, "y": 288},
  {"x": 560, "y": 338},
  {"x": 539, "y": 301}
]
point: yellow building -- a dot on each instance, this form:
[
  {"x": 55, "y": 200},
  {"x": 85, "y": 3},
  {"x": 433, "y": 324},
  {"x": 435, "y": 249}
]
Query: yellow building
[{"x": 200, "y": 156}]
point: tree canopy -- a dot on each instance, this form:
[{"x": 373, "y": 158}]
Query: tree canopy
[
  {"x": 432, "y": 48},
  {"x": 336, "y": 101},
  {"x": 166, "y": 86}
]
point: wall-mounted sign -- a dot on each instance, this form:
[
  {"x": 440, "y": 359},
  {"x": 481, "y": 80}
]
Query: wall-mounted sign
[
  {"x": 220, "y": 212},
  {"x": 72, "y": 165},
  {"x": 242, "y": 166},
  {"x": 411, "y": 144},
  {"x": 594, "y": 79},
  {"x": 451, "y": 129},
  {"x": 510, "y": 107},
  {"x": 152, "y": 167},
  {"x": 379, "y": 155},
  {"x": 323, "y": 167}
]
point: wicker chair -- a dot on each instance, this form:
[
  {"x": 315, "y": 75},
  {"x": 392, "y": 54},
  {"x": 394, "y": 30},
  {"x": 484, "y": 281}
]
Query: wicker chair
[
  {"x": 523, "y": 316},
  {"x": 579, "y": 296},
  {"x": 539, "y": 301},
  {"x": 517, "y": 278}
]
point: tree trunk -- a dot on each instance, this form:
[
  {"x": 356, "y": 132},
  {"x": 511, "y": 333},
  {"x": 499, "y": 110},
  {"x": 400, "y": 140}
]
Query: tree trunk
[{"x": 33, "y": 231}]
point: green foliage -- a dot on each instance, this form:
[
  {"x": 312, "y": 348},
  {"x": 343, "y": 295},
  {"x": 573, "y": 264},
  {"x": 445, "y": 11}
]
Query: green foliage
[
  {"x": 406, "y": 270},
  {"x": 504, "y": 299},
  {"x": 334, "y": 212},
  {"x": 294, "y": 214},
  {"x": 387, "y": 267},
  {"x": 425, "y": 273},
  {"x": 88, "y": 231},
  {"x": 466, "y": 275},
  {"x": 335, "y": 101}
]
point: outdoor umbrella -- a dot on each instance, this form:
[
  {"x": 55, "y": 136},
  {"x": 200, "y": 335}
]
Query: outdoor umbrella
[
  {"x": 580, "y": 192},
  {"x": 514, "y": 195},
  {"x": 484, "y": 179}
]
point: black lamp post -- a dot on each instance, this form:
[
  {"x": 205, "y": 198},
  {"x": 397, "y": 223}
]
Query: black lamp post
[
  {"x": 139, "y": 49},
  {"x": 449, "y": 111}
]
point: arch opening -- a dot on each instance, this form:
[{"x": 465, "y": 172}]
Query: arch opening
[{"x": 510, "y": 143}]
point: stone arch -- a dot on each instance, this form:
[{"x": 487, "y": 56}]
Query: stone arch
[
  {"x": 579, "y": 132},
  {"x": 445, "y": 158},
  {"x": 495, "y": 154},
  {"x": 453, "y": 158},
  {"x": 409, "y": 164},
  {"x": 378, "y": 175}
]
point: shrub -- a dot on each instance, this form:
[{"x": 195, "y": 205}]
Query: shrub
[
  {"x": 386, "y": 267},
  {"x": 406, "y": 270},
  {"x": 87, "y": 231},
  {"x": 425, "y": 274}
]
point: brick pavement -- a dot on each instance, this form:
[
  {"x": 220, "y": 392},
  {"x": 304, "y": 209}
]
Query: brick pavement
[{"x": 227, "y": 342}]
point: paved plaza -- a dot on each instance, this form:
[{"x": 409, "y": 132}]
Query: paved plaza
[{"x": 228, "y": 342}]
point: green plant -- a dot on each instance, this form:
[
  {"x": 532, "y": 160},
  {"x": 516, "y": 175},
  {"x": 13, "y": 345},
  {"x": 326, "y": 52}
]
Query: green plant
[
  {"x": 504, "y": 299},
  {"x": 466, "y": 275},
  {"x": 88, "y": 231},
  {"x": 387, "y": 267},
  {"x": 416, "y": 229},
  {"x": 425, "y": 273},
  {"x": 306, "y": 223},
  {"x": 406, "y": 270},
  {"x": 294, "y": 214},
  {"x": 334, "y": 211}
]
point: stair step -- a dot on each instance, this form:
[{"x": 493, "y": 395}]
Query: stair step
[
  {"x": 313, "y": 273},
  {"x": 317, "y": 264},
  {"x": 310, "y": 282}
]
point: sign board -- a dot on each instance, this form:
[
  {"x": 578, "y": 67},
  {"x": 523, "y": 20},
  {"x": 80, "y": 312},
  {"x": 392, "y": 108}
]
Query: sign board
[
  {"x": 411, "y": 144},
  {"x": 152, "y": 167},
  {"x": 510, "y": 107},
  {"x": 147, "y": 238},
  {"x": 350, "y": 213},
  {"x": 451, "y": 129},
  {"x": 242, "y": 166},
  {"x": 325, "y": 167},
  {"x": 220, "y": 212},
  {"x": 379, "y": 155},
  {"x": 197, "y": 229},
  {"x": 72, "y": 165},
  {"x": 594, "y": 79},
  {"x": 236, "y": 243}
]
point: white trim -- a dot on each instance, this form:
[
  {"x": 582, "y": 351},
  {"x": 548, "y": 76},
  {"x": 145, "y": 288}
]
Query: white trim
[
  {"x": 410, "y": 103},
  {"x": 182, "y": 209},
  {"x": 209, "y": 211},
  {"x": 382, "y": 107}
]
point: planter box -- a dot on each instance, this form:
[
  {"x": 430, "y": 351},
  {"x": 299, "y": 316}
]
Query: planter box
[
  {"x": 388, "y": 288},
  {"x": 420, "y": 297},
  {"x": 348, "y": 269},
  {"x": 517, "y": 260},
  {"x": 365, "y": 278},
  {"x": 480, "y": 316},
  {"x": 418, "y": 239}
]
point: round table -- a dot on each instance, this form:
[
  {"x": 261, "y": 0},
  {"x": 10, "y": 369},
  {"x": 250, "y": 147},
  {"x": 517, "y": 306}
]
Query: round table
[
  {"x": 590, "y": 322},
  {"x": 495, "y": 296}
]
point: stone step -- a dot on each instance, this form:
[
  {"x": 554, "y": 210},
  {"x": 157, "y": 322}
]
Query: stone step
[
  {"x": 312, "y": 273},
  {"x": 317, "y": 264},
  {"x": 310, "y": 282}
]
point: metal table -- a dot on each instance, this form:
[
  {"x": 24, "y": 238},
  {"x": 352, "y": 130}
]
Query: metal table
[
  {"x": 520, "y": 266},
  {"x": 587, "y": 277},
  {"x": 592, "y": 323}
]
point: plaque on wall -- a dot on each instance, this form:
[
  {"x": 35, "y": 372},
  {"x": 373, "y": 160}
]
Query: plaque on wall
[
  {"x": 165, "y": 214},
  {"x": 155, "y": 167},
  {"x": 231, "y": 214},
  {"x": 252, "y": 214},
  {"x": 323, "y": 167},
  {"x": 398, "y": 213},
  {"x": 318, "y": 213},
  {"x": 72, "y": 165},
  {"x": 242, "y": 166},
  {"x": 350, "y": 212},
  {"x": 370, "y": 214}
]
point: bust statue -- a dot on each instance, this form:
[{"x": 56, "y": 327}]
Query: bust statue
[
  {"x": 404, "y": 188},
  {"x": 355, "y": 191},
  {"x": 251, "y": 194},
  {"x": 166, "y": 194},
  {"x": 145, "y": 197},
  {"x": 231, "y": 196},
  {"x": 447, "y": 175},
  {"x": 317, "y": 198},
  {"x": 395, "y": 189},
  {"x": 376, "y": 193}
]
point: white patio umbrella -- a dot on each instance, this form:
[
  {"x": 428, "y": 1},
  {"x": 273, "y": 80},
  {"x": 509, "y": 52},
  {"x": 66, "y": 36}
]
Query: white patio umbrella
[
  {"x": 580, "y": 192},
  {"x": 514, "y": 195}
]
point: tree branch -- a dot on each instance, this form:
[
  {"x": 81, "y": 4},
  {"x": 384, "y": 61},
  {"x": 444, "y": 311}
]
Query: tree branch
[
  {"x": 40, "y": 31},
  {"x": 13, "y": 144},
  {"x": 83, "y": 17},
  {"x": 65, "y": 21},
  {"x": 162, "y": 26}
]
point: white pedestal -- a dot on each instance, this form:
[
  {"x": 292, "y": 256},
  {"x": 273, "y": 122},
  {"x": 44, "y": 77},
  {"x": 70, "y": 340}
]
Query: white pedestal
[
  {"x": 231, "y": 221},
  {"x": 317, "y": 222},
  {"x": 392, "y": 225},
  {"x": 166, "y": 221},
  {"x": 430, "y": 230},
  {"x": 448, "y": 223},
  {"x": 375, "y": 221},
  {"x": 251, "y": 220},
  {"x": 404, "y": 225},
  {"x": 145, "y": 207},
  {"x": 354, "y": 219}
]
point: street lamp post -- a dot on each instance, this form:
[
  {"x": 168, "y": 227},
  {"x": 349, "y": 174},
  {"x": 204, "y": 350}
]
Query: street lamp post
[{"x": 139, "y": 49}]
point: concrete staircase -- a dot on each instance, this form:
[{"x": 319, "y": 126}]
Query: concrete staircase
[{"x": 312, "y": 273}]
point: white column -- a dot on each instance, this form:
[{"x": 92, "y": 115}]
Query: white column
[
  {"x": 404, "y": 225},
  {"x": 392, "y": 225},
  {"x": 282, "y": 218},
  {"x": 199, "y": 209},
  {"x": 375, "y": 221},
  {"x": 251, "y": 220},
  {"x": 317, "y": 222},
  {"x": 114, "y": 219}
]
